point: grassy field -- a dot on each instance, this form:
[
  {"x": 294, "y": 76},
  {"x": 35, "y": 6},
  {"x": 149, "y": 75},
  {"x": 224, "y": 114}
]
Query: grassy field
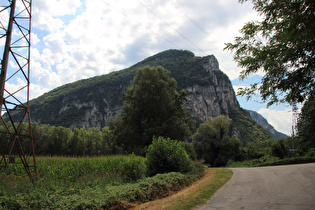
[{"x": 86, "y": 183}]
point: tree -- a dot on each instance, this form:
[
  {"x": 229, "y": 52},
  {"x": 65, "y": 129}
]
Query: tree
[
  {"x": 153, "y": 107},
  {"x": 306, "y": 124},
  {"x": 282, "y": 46},
  {"x": 58, "y": 139},
  {"x": 73, "y": 143},
  {"x": 212, "y": 143},
  {"x": 278, "y": 149},
  {"x": 206, "y": 141},
  {"x": 222, "y": 124}
]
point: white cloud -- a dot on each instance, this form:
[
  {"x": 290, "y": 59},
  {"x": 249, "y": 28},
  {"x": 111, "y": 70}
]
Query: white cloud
[
  {"x": 280, "y": 120},
  {"x": 16, "y": 86},
  {"x": 76, "y": 39},
  {"x": 34, "y": 39},
  {"x": 79, "y": 39},
  {"x": 57, "y": 7},
  {"x": 47, "y": 14}
]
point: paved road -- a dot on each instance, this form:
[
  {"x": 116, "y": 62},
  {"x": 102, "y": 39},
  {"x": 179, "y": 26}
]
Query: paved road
[{"x": 276, "y": 187}]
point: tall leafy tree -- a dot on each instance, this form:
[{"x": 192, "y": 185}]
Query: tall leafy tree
[
  {"x": 282, "y": 46},
  {"x": 306, "y": 124},
  {"x": 153, "y": 107},
  {"x": 212, "y": 143}
]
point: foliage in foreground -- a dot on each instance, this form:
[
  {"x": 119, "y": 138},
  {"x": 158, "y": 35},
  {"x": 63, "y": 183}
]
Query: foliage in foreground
[
  {"x": 94, "y": 183},
  {"x": 281, "y": 45},
  {"x": 97, "y": 195},
  {"x": 306, "y": 124}
]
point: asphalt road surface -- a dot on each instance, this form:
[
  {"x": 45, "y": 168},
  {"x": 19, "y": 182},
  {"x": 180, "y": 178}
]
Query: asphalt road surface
[{"x": 276, "y": 187}]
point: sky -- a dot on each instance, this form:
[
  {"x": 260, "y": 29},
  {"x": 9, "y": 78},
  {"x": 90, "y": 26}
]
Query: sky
[{"x": 78, "y": 39}]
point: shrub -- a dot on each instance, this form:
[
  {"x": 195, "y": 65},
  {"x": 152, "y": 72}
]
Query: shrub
[
  {"x": 166, "y": 155},
  {"x": 189, "y": 147},
  {"x": 133, "y": 168},
  {"x": 311, "y": 153}
]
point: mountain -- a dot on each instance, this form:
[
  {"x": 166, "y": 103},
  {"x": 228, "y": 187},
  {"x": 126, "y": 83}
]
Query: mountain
[
  {"x": 93, "y": 102},
  {"x": 264, "y": 123}
]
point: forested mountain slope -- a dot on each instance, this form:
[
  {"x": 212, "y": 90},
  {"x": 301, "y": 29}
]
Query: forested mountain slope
[
  {"x": 94, "y": 101},
  {"x": 264, "y": 123}
]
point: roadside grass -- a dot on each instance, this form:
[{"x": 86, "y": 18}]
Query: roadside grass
[
  {"x": 201, "y": 195},
  {"x": 272, "y": 161}
]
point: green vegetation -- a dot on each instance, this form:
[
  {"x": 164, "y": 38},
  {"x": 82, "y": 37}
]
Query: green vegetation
[
  {"x": 272, "y": 153},
  {"x": 306, "y": 125},
  {"x": 282, "y": 46},
  {"x": 274, "y": 161},
  {"x": 152, "y": 108},
  {"x": 249, "y": 130},
  {"x": 86, "y": 183},
  {"x": 51, "y": 140},
  {"x": 213, "y": 145},
  {"x": 166, "y": 155}
]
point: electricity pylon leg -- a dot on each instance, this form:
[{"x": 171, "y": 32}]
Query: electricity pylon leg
[{"x": 16, "y": 139}]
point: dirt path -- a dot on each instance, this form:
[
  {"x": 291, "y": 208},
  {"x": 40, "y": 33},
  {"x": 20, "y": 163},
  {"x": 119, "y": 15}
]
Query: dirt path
[{"x": 165, "y": 203}]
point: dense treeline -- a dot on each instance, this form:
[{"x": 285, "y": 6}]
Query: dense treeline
[
  {"x": 210, "y": 146},
  {"x": 52, "y": 140}
]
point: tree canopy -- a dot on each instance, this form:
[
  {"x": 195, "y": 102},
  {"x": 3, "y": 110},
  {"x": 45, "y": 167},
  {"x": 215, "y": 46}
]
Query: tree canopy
[
  {"x": 212, "y": 143},
  {"x": 153, "y": 107},
  {"x": 306, "y": 124},
  {"x": 282, "y": 46}
]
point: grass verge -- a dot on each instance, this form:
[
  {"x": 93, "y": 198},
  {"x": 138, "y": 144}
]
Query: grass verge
[
  {"x": 272, "y": 162},
  {"x": 195, "y": 195},
  {"x": 204, "y": 193}
]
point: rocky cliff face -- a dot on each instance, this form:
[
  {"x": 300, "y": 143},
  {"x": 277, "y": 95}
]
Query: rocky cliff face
[
  {"x": 93, "y": 102},
  {"x": 100, "y": 99},
  {"x": 204, "y": 101},
  {"x": 92, "y": 114},
  {"x": 211, "y": 100}
]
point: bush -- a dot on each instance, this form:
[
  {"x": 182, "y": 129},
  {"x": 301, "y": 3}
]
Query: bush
[
  {"x": 133, "y": 168},
  {"x": 311, "y": 153},
  {"x": 189, "y": 147},
  {"x": 166, "y": 155}
]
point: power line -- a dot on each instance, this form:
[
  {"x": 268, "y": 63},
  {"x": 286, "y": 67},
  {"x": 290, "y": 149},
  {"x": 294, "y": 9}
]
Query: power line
[
  {"x": 172, "y": 27},
  {"x": 191, "y": 20},
  {"x": 156, "y": 34},
  {"x": 202, "y": 29},
  {"x": 196, "y": 24}
]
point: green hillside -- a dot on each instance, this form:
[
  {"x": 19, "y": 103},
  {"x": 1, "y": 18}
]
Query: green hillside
[{"x": 187, "y": 69}]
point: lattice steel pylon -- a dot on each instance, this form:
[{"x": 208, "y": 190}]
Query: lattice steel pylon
[{"x": 16, "y": 140}]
